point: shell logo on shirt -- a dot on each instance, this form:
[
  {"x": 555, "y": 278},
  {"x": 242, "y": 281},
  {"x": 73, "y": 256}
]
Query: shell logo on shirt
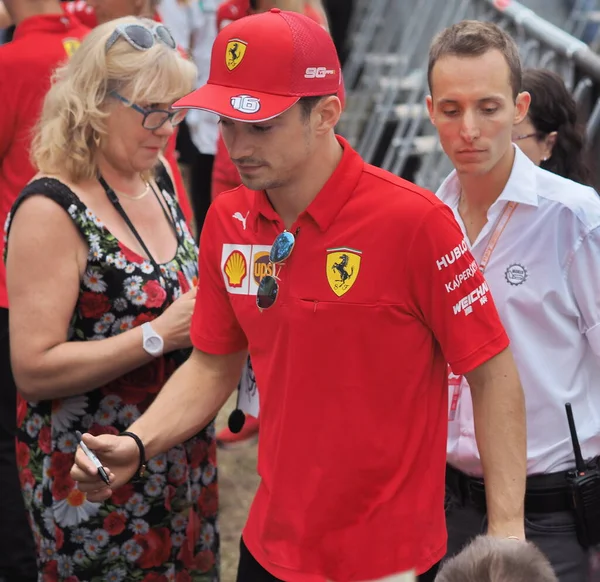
[
  {"x": 343, "y": 265},
  {"x": 243, "y": 266},
  {"x": 234, "y": 55},
  {"x": 236, "y": 269},
  {"x": 71, "y": 45}
]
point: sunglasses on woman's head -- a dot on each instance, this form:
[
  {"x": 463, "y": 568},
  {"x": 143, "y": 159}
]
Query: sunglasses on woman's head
[{"x": 140, "y": 37}]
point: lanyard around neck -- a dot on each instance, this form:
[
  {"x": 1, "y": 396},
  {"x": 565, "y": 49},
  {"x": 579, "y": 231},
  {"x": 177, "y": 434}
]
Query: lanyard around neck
[
  {"x": 110, "y": 193},
  {"x": 501, "y": 223}
]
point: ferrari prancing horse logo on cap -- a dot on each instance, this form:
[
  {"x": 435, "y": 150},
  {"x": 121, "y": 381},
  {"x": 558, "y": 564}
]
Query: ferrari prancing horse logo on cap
[
  {"x": 236, "y": 49},
  {"x": 343, "y": 265}
]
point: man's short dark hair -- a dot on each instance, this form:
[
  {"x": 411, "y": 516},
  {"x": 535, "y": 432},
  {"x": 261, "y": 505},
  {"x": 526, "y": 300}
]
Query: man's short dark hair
[
  {"x": 489, "y": 559},
  {"x": 309, "y": 103},
  {"x": 472, "y": 38}
]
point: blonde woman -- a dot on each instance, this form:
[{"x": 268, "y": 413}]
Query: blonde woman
[{"x": 101, "y": 272}]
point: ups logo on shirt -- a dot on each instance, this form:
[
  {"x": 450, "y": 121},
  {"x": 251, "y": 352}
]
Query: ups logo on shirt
[
  {"x": 262, "y": 266},
  {"x": 71, "y": 45}
]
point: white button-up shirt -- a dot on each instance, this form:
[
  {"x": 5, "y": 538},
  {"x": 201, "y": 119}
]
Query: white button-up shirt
[{"x": 544, "y": 275}]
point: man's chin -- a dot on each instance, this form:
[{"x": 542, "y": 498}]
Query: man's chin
[
  {"x": 258, "y": 185},
  {"x": 478, "y": 169}
]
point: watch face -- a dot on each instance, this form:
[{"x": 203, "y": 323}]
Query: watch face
[{"x": 153, "y": 343}]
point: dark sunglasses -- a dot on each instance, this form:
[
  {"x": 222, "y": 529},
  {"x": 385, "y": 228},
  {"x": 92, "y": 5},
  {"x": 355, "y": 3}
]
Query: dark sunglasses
[
  {"x": 268, "y": 287},
  {"x": 154, "y": 118},
  {"x": 140, "y": 37}
]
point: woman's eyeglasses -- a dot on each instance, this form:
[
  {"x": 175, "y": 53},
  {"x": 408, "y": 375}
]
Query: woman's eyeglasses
[
  {"x": 268, "y": 287},
  {"x": 140, "y": 37},
  {"x": 154, "y": 118},
  {"x": 536, "y": 134}
]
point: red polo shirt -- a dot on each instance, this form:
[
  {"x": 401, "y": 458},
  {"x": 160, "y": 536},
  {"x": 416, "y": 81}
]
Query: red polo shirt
[
  {"x": 351, "y": 365},
  {"x": 40, "y": 44}
]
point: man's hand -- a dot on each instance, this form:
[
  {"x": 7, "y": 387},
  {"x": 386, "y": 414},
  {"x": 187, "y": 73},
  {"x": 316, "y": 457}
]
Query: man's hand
[{"x": 120, "y": 457}]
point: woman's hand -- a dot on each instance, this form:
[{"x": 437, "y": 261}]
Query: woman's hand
[{"x": 174, "y": 324}]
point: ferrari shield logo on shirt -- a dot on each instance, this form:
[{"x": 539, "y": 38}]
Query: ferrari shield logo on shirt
[
  {"x": 236, "y": 49},
  {"x": 343, "y": 265},
  {"x": 71, "y": 45}
]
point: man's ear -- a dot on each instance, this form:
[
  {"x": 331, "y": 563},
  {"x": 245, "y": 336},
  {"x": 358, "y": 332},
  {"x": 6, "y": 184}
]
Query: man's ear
[
  {"x": 429, "y": 102},
  {"x": 522, "y": 106},
  {"x": 329, "y": 111}
]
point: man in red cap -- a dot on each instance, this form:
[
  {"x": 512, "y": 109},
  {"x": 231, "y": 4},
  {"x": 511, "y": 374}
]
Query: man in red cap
[{"x": 352, "y": 289}]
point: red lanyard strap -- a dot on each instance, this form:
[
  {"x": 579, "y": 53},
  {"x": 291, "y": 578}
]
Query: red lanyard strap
[{"x": 498, "y": 230}]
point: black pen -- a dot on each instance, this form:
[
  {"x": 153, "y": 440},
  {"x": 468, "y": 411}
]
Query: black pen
[{"x": 93, "y": 458}]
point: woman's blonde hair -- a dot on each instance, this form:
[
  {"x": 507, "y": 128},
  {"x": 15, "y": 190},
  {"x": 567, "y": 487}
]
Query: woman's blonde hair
[{"x": 75, "y": 109}]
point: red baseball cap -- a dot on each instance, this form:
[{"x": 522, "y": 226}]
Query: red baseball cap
[{"x": 261, "y": 65}]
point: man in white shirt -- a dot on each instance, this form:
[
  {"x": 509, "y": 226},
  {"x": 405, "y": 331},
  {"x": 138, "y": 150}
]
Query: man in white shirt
[{"x": 536, "y": 236}]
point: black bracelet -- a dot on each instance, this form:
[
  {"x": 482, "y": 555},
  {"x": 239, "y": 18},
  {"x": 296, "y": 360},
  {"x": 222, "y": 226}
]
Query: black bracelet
[{"x": 141, "y": 470}]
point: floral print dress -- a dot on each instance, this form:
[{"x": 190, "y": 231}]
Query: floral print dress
[{"x": 164, "y": 528}]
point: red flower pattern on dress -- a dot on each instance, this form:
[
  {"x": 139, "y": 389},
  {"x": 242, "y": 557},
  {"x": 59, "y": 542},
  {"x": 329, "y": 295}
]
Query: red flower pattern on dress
[
  {"x": 156, "y": 294},
  {"x": 94, "y": 305},
  {"x": 78, "y": 540},
  {"x": 44, "y": 440},
  {"x": 156, "y": 546},
  {"x": 115, "y": 523},
  {"x": 123, "y": 494},
  {"x": 22, "y": 455},
  {"x": 183, "y": 282}
]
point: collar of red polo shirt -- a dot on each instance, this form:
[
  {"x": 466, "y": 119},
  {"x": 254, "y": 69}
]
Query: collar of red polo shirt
[
  {"x": 261, "y": 65},
  {"x": 45, "y": 23}
]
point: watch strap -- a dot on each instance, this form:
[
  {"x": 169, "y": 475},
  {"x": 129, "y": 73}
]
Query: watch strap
[{"x": 149, "y": 332}]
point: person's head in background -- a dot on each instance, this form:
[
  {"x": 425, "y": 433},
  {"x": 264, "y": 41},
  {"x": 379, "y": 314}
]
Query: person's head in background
[
  {"x": 550, "y": 134},
  {"x": 110, "y": 9},
  {"x": 15, "y": 11},
  {"x": 489, "y": 559},
  {"x": 312, "y": 8},
  {"x": 474, "y": 78},
  {"x": 102, "y": 110}
]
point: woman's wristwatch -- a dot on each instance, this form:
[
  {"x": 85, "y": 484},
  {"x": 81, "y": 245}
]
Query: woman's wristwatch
[{"x": 152, "y": 342}]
